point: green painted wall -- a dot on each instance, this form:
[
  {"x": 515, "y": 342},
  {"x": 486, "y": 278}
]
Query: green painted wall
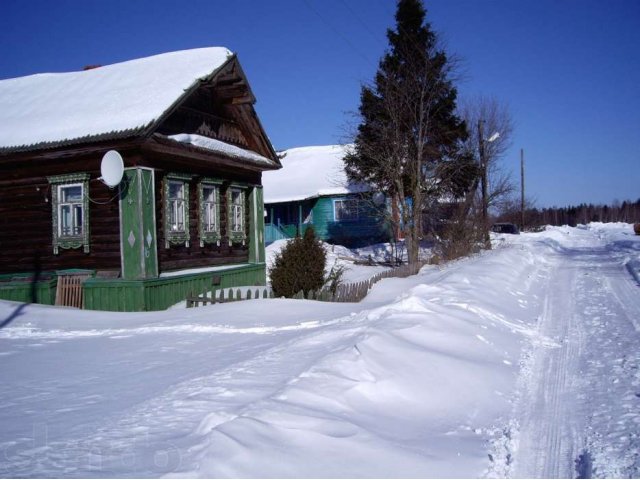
[
  {"x": 161, "y": 293},
  {"x": 138, "y": 242},
  {"x": 322, "y": 216},
  {"x": 121, "y": 295},
  {"x": 368, "y": 228},
  {"x": 19, "y": 288},
  {"x": 256, "y": 226}
]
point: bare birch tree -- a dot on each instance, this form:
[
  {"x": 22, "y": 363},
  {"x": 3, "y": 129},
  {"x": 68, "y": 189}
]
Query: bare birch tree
[{"x": 488, "y": 141}]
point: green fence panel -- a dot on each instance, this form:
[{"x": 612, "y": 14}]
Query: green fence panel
[{"x": 161, "y": 293}]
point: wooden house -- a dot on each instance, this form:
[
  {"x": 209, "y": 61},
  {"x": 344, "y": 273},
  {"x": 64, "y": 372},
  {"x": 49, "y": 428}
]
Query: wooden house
[
  {"x": 312, "y": 189},
  {"x": 188, "y": 213}
]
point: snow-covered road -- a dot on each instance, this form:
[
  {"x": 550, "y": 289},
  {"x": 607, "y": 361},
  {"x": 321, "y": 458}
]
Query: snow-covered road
[
  {"x": 578, "y": 414},
  {"x": 522, "y": 361}
]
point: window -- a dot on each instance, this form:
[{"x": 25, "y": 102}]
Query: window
[
  {"x": 237, "y": 217},
  {"x": 209, "y": 227},
  {"x": 176, "y": 207},
  {"x": 236, "y": 214},
  {"x": 176, "y": 210},
  {"x": 70, "y": 211},
  {"x": 210, "y": 209},
  {"x": 346, "y": 210}
]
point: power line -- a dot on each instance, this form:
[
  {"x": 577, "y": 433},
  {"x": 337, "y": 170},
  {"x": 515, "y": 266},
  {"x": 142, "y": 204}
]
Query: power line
[
  {"x": 337, "y": 32},
  {"x": 360, "y": 21}
]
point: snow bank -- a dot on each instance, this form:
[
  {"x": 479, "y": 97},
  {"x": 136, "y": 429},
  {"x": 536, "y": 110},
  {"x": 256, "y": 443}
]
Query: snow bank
[
  {"x": 411, "y": 388},
  {"x": 427, "y": 377},
  {"x": 340, "y": 256},
  {"x": 337, "y": 256}
]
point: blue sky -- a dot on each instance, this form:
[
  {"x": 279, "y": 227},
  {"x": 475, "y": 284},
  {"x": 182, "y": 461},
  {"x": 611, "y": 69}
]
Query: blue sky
[{"x": 569, "y": 70}]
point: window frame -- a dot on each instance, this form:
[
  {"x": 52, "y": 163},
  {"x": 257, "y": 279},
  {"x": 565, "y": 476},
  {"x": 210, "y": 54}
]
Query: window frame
[
  {"x": 343, "y": 201},
  {"x": 72, "y": 205},
  {"x": 172, "y": 236},
  {"x": 237, "y": 235},
  {"x": 209, "y": 236},
  {"x": 73, "y": 240}
]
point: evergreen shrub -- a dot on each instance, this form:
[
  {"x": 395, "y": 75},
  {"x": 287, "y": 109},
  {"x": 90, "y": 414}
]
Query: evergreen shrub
[{"x": 299, "y": 266}]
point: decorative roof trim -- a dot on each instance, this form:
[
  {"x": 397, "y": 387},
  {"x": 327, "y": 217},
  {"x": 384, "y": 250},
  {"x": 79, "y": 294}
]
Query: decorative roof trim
[{"x": 149, "y": 130}]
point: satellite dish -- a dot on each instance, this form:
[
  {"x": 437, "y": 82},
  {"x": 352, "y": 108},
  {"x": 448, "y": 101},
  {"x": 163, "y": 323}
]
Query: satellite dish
[{"x": 112, "y": 169}]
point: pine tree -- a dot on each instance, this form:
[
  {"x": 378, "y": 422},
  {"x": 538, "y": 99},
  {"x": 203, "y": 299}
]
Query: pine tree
[
  {"x": 299, "y": 266},
  {"x": 408, "y": 143}
]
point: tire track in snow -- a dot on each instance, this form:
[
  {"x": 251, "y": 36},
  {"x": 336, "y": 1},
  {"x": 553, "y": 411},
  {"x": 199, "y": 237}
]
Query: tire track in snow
[
  {"x": 548, "y": 437},
  {"x": 578, "y": 403},
  {"x": 135, "y": 439},
  {"x": 612, "y": 376}
]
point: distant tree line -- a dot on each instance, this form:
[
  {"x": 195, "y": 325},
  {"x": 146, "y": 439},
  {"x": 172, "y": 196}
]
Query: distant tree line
[{"x": 626, "y": 211}]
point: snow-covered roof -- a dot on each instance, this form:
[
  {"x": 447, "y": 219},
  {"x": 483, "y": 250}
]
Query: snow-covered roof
[
  {"x": 220, "y": 147},
  {"x": 111, "y": 100},
  {"x": 309, "y": 172}
]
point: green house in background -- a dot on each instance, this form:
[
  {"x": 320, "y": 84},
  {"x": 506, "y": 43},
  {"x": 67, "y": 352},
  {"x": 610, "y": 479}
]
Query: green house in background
[
  {"x": 185, "y": 212},
  {"x": 312, "y": 189}
]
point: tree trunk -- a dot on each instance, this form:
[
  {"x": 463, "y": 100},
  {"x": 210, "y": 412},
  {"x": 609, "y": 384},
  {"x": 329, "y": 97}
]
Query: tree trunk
[
  {"x": 395, "y": 216},
  {"x": 413, "y": 247}
]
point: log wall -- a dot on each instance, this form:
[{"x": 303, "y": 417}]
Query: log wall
[
  {"x": 178, "y": 257},
  {"x": 26, "y": 241}
]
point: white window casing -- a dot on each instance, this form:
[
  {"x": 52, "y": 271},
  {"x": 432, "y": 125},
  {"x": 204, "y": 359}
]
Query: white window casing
[
  {"x": 209, "y": 204},
  {"x": 236, "y": 214},
  {"x": 176, "y": 210}
]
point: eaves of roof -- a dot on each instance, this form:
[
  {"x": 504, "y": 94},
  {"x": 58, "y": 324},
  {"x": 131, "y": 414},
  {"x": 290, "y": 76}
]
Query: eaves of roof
[
  {"x": 162, "y": 140},
  {"x": 72, "y": 142}
]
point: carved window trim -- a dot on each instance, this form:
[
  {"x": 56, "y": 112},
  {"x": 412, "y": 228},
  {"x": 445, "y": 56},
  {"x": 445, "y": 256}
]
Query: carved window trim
[
  {"x": 237, "y": 232},
  {"x": 75, "y": 240},
  {"x": 209, "y": 236},
  {"x": 172, "y": 236}
]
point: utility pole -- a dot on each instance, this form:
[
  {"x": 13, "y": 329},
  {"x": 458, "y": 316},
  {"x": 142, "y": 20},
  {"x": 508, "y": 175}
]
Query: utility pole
[
  {"x": 521, "y": 189},
  {"x": 483, "y": 183}
]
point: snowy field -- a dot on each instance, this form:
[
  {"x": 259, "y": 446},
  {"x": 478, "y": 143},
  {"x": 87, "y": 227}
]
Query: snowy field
[{"x": 518, "y": 362}]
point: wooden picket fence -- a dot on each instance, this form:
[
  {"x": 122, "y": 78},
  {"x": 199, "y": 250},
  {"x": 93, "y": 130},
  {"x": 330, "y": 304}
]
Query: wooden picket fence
[
  {"x": 348, "y": 292},
  {"x": 355, "y": 292},
  {"x": 219, "y": 296}
]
